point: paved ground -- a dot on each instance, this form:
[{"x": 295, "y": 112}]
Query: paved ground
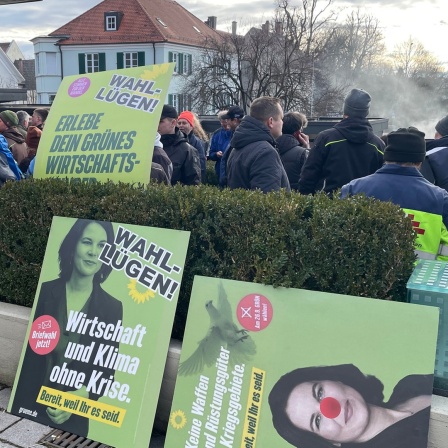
[{"x": 18, "y": 432}]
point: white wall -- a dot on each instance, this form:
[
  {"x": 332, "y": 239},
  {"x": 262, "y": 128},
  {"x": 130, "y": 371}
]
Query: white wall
[{"x": 51, "y": 67}]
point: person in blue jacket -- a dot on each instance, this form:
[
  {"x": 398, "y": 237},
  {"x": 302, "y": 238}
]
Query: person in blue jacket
[
  {"x": 435, "y": 165},
  {"x": 219, "y": 141},
  {"x": 401, "y": 182},
  {"x": 233, "y": 116}
]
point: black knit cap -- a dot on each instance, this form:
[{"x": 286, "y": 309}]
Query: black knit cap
[
  {"x": 442, "y": 126},
  {"x": 357, "y": 103},
  {"x": 405, "y": 145},
  {"x": 168, "y": 112}
]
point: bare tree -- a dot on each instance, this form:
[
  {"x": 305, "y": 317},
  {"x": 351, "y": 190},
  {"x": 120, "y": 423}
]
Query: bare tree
[
  {"x": 276, "y": 60},
  {"x": 355, "y": 47},
  {"x": 412, "y": 60}
]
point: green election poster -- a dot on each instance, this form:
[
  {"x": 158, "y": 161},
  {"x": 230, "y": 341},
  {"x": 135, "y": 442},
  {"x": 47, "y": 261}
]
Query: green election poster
[
  {"x": 99, "y": 331},
  {"x": 102, "y": 126},
  {"x": 265, "y": 367}
]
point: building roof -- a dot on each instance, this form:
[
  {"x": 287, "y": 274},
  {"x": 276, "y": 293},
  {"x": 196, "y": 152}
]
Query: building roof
[
  {"x": 142, "y": 21},
  {"x": 27, "y": 68},
  {"x": 5, "y": 46}
]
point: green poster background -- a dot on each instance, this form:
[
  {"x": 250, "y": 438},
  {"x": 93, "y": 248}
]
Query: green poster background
[
  {"x": 156, "y": 313},
  {"x": 386, "y": 339},
  {"x": 102, "y": 125}
]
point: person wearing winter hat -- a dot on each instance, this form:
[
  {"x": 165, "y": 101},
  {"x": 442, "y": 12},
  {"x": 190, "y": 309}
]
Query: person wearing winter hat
[
  {"x": 401, "y": 182},
  {"x": 346, "y": 151},
  {"x": 185, "y": 158},
  {"x": 434, "y": 167},
  {"x": 15, "y": 140},
  {"x": 185, "y": 122},
  {"x": 357, "y": 103}
]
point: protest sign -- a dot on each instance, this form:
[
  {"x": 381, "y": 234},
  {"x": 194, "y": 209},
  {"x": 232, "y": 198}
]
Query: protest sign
[
  {"x": 265, "y": 367},
  {"x": 96, "y": 345},
  {"x": 102, "y": 126}
]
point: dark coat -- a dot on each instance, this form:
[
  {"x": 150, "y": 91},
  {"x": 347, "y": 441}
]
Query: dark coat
[
  {"x": 36, "y": 368},
  {"x": 158, "y": 174},
  {"x": 160, "y": 158},
  {"x": 347, "y": 151},
  {"x": 254, "y": 162},
  {"x": 199, "y": 145},
  {"x": 185, "y": 158},
  {"x": 435, "y": 165},
  {"x": 293, "y": 158}
]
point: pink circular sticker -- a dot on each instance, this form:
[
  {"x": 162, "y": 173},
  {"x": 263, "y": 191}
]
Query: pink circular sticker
[
  {"x": 254, "y": 312},
  {"x": 79, "y": 87},
  {"x": 44, "y": 335}
]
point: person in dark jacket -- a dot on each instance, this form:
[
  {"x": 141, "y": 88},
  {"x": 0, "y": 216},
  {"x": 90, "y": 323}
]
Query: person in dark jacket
[
  {"x": 290, "y": 148},
  {"x": 16, "y": 142},
  {"x": 400, "y": 181},
  {"x": 435, "y": 165},
  {"x": 185, "y": 122},
  {"x": 185, "y": 158},
  {"x": 219, "y": 141},
  {"x": 344, "y": 152},
  {"x": 254, "y": 162}
]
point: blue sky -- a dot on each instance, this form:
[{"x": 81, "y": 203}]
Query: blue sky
[{"x": 425, "y": 21}]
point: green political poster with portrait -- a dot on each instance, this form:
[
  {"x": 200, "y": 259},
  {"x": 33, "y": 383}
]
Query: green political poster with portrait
[
  {"x": 102, "y": 126},
  {"x": 265, "y": 367},
  {"x": 97, "y": 341}
]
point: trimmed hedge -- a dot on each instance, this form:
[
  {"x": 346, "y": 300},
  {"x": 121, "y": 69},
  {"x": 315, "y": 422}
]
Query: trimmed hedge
[{"x": 354, "y": 246}]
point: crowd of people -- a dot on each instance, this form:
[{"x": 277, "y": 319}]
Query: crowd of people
[
  {"x": 20, "y": 135},
  {"x": 268, "y": 150}
]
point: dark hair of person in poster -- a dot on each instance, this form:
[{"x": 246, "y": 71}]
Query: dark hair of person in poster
[
  {"x": 77, "y": 289},
  {"x": 339, "y": 406}
]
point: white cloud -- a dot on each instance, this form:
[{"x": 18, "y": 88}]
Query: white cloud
[{"x": 399, "y": 18}]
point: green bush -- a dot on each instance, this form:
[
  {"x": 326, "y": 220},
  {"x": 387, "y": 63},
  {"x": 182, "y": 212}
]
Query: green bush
[
  {"x": 355, "y": 246},
  {"x": 212, "y": 177}
]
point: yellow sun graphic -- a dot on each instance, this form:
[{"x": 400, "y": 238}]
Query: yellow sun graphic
[
  {"x": 136, "y": 295},
  {"x": 178, "y": 419},
  {"x": 156, "y": 71}
]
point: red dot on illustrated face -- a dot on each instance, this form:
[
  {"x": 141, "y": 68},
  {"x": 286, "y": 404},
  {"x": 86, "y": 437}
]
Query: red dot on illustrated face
[{"x": 330, "y": 407}]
